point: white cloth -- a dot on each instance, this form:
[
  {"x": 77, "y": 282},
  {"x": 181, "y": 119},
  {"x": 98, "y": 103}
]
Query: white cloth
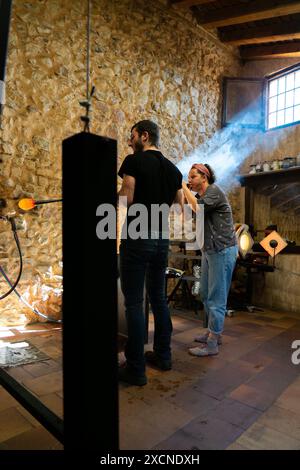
[{"x": 200, "y": 226}]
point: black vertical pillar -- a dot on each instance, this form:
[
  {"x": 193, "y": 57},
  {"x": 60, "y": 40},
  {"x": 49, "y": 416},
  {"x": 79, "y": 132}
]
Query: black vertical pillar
[
  {"x": 5, "y": 11},
  {"x": 90, "y": 296}
]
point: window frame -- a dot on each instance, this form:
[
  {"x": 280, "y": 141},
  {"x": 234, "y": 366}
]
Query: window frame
[
  {"x": 259, "y": 80},
  {"x": 276, "y": 75}
]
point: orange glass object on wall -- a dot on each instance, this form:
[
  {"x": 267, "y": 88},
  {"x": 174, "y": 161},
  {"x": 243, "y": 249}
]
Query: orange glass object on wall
[{"x": 26, "y": 204}]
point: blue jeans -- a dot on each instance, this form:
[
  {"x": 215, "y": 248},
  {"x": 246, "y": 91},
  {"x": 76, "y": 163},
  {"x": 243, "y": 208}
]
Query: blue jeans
[
  {"x": 216, "y": 274},
  {"x": 140, "y": 260}
]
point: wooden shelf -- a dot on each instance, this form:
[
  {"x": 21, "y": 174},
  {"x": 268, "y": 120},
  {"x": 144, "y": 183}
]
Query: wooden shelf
[{"x": 270, "y": 178}]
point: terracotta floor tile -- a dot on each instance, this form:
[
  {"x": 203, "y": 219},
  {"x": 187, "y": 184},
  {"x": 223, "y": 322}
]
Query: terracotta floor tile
[
  {"x": 38, "y": 369},
  {"x": 185, "y": 325},
  {"x": 180, "y": 440},
  {"x": 273, "y": 379},
  {"x": 161, "y": 385},
  {"x": 233, "y": 332},
  {"x": 6, "y": 400},
  {"x": 131, "y": 407},
  {"x": 45, "y": 384},
  {"x": 236, "y": 446},
  {"x": 237, "y": 349},
  {"x": 258, "y": 358},
  {"x": 193, "y": 401},
  {"x": 259, "y": 437},
  {"x": 264, "y": 318},
  {"x": 252, "y": 397},
  {"x": 227, "y": 339},
  {"x": 34, "y": 422},
  {"x": 54, "y": 403},
  {"x": 34, "y": 439},
  {"x": 290, "y": 399},
  {"x": 285, "y": 322},
  {"x": 247, "y": 325},
  {"x": 146, "y": 430},
  {"x": 235, "y": 412},
  {"x": 282, "y": 420},
  {"x": 183, "y": 363},
  {"x": 220, "y": 383},
  {"x": 187, "y": 337},
  {"x": 212, "y": 433},
  {"x": 39, "y": 339},
  {"x": 12, "y": 423},
  {"x": 192, "y": 366},
  {"x": 52, "y": 351},
  {"x": 296, "y": 382},
  {"x": 19, "y": 373}
]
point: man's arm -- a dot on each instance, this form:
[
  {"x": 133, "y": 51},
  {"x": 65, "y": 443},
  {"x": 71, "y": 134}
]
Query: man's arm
[{"x": 127, "y": 188}]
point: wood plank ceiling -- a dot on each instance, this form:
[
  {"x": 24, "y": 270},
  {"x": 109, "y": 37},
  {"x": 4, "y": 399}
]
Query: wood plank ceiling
[{"x": 261, "y": 29}]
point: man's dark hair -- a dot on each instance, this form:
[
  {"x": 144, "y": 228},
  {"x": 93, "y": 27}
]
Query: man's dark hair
[{"x": 151, "y": 128}]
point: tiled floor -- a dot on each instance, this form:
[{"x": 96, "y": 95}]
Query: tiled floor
[
  {"x": 18, "y": 429},
  {"x": 247, "y": 397}
]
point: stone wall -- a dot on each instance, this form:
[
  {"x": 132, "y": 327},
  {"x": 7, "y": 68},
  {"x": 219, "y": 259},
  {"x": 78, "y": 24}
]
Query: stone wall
[
  {"x": 269, "y": 288},
  {"x": 147, "y": 61},
  {"x": 279, "y": 290}
]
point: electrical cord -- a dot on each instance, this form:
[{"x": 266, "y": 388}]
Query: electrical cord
[
  {"x": 14, "y": 285},
  {"x": 35, "y": 310}
]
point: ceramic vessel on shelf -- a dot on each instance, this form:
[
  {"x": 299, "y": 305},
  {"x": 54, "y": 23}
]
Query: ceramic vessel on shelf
[
  {"x": 252, "y": 169},
  {"x": 266, "y": 166},
  {"x": 258, "y": 168},
  {"x": 287, "y": 162},
  {"x": 275, "y": 165}
]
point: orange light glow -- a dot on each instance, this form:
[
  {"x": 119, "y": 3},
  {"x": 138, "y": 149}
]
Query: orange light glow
[{"x": 26, "y": 204}]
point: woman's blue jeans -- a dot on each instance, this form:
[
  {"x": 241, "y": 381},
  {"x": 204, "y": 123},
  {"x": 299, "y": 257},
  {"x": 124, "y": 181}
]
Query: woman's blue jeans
[
  {"x": 139, "y": 260},
  {"x": 216, "y": 275}
]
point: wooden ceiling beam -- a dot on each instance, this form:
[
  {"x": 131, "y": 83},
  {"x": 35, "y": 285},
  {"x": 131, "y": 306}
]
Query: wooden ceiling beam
[
  {"x": 261, "y": 34},
  {"x": 270, "y": 51},
  {"x": 245, "y": 12},
  {"x": 189, "y": 3}
]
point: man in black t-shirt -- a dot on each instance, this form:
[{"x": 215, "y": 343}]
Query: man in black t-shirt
[{"x": 149, "y": 181}]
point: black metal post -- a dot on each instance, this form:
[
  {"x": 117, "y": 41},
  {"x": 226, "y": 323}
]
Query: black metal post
[
  {"x": 90, "y": 356},
  {"x": 5, "y": 12}
]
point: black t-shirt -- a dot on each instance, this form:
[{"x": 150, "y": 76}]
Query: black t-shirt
[{"x": 156, "y": 180}]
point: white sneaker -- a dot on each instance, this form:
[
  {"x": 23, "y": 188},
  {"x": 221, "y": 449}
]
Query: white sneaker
[{"x": 211, "y": 349}]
